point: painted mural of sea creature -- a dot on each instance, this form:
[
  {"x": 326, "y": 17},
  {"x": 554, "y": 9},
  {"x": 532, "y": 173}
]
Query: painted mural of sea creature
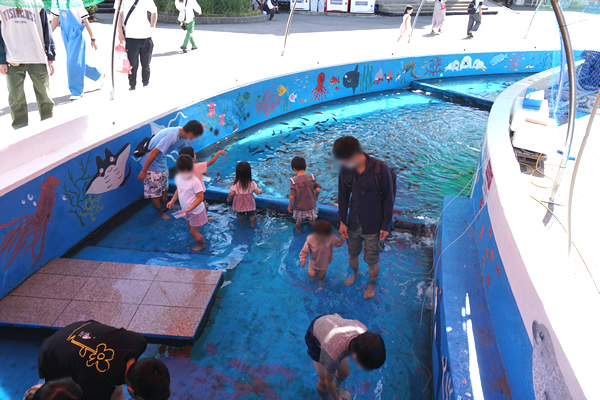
[
  {"x": 281, "y": 90},
  {"x": 378, "y": 77},
  {"x": 389, "y": 76},
  {"x": 466, "y": 63},
  {"x": 320, "y": 92},
  {"x": 30, "y": 230},
  {"x": 211, "y": 110},
  {"x": 334, "y": 80},
  {"x": 478, "y": 64},
  {"x": 453, "y": 66},
  {"x": 529, "y": 66},
  {"x": 351, "y": 79},
  {"x": 548, "y": 380},
  {"x": 111, "y": 172},
  {"x": 498, "y": 58},
  {"x": 411, "y": 67},
  {"x": 293, "y": 97},
  {"x": 222, "y": 119}
]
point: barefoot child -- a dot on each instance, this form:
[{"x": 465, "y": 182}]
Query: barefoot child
[
  {"x": 330, "y": 340},
  {"x": 304, "y": 191},
  {"x": 319, "y": 248},
  {"x": 155, "y": 173},
  {"x": 190, "y": 192},
  {"x": 200, "y": 168},
  {"x": 242, "y": 192},
  {"x": 405, "y": 27}
]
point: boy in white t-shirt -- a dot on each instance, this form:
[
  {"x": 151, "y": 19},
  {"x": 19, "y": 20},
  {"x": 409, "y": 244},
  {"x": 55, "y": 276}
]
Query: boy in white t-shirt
[{"x": 190, "y": 192}]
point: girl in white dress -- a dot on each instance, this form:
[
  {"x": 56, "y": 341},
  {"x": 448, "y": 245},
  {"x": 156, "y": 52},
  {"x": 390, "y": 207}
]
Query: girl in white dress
[
  {"x": 405, "y": 27},
  {"x": 439, "y": 15}
]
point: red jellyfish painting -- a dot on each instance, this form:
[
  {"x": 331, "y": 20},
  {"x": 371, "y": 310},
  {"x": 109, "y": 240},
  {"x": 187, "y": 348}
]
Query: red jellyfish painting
[
  {"x": 30, "y": 229},
  {"x": 320, "y": 92}
]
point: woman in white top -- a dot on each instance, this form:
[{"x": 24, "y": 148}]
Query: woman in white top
[
  {"x": 187, "y": 19},
  {"x": 439, "y": 15}
]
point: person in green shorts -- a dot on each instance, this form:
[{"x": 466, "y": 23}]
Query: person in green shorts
[
  {"x": 187, "y": 18},
  {"x": 26, "y": 48}
]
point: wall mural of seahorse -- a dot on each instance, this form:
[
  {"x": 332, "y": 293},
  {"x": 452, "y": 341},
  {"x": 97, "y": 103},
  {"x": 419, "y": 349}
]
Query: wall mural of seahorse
[{"x": 30, "y": 230}]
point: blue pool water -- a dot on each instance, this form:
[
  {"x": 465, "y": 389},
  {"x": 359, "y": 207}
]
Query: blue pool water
[
  {"x": 485, "y": 87},
  {"x": 433, "y": 144},
  {"x": 253, "y": 347}
]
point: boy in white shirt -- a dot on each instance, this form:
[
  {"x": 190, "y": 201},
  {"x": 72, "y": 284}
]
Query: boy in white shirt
[
  {"x": 136, "y": 32},
  {"x": 190, "y": 192},
  {"x": 26, "y": 48}
]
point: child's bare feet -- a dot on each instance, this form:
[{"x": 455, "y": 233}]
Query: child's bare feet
[
  {"x": 350, "y": 281},
  {"x": 370, "y": 292},
  {"x": 164, "y": 216},
  {"x": 252, "y": 221},
  {"x": 200, "y": 246},
  {"x": 211, "y": 219},
  {"x": 320, "y": 282}
]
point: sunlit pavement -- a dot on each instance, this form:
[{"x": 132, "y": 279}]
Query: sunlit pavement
[{"x": 231, "y": 55}]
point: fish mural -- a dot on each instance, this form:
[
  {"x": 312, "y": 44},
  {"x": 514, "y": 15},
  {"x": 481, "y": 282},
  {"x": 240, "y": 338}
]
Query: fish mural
[
  {"x": 498, "y": 58},
  {"x": 378, "y": 77},
  {"x": 334, "y": 80},
  {"x": 111, "y": 172},
  {"x": 453, "y": 66},
  {"x": 211, "y": 110},
  {"x": 351, "y": 79},
  {"x": 222, "y": 119},
  {"x": 281, "y": 90},
  {"x": 293, "y": 97},
  {"x": 411, "y": 67},
  {"x": 30, "y": 230}
]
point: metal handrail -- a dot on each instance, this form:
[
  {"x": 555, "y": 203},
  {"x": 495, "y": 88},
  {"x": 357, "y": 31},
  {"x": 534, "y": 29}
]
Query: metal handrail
[
  {"x": 568, "y": 48},
  {"x": 412, "y": 28},
  {"x": 287, "y": 28},
  {"x": 576, "y": 167}
]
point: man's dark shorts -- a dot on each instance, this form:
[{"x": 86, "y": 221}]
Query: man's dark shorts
[{"x": 357, "y": 241}]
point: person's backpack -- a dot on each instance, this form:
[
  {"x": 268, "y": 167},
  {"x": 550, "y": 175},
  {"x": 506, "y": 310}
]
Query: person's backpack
[
  {"x": 142, "y": 148},
  {"x": 378, "y": 185},
  {"x": 471, "y": 8}
]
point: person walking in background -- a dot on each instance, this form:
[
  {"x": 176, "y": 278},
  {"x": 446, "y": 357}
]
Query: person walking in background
[
  {"x": 26, "y": 48},
  {"x": 475, "y": 12},
  {"x": 187, "y": 19},
  {"x": 136, "y": 32},
  {"x": 366, "y": 193},
  {"x": 73, "y": 19},
  {"x": 439, "y": 15},
  {"x": 405, "y": 27}
]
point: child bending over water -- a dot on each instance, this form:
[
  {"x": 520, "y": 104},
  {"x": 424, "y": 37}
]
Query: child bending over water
[
  {"x": 190, "y": 192},
  {"x": 304, "y": 191},
  {"x": 319, "y": 249},
  {"x": 200, "y": 168},
  {"x": 242, "y": 192}
]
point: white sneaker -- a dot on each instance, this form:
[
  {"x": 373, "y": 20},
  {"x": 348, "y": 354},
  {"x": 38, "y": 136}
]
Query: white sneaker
[
  {"x": 75, "y": 97},
  {"x": 101, "y": 80}
]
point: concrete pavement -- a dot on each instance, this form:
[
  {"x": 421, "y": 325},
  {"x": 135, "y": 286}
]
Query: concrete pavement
[{"x": 231, "y": 55}]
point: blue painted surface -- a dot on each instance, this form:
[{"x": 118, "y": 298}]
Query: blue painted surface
[
  {"x": 466, "y": 358},
  {"x": 32, "y": 235},
  {"x": 453, "y": 95},
  {"x": 254, "y": 347}
]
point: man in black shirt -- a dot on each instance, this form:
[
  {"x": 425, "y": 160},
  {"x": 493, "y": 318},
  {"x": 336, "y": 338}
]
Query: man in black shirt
[
  {"x": 366, "y": 187},
  {"x": 101, "y": 359}
]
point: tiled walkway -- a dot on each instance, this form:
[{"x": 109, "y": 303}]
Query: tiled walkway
[{"x": 162, "y": 302}]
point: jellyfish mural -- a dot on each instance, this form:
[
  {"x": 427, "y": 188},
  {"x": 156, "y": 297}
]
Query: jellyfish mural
[
  {"x": 30, "y": 229},
  {"x": 320, "y": 92}
]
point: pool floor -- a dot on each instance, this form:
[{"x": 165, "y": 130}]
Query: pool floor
[{"x": 253, "y": 347}]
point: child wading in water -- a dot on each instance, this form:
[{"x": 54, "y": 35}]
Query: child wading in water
[
  {"x": 200, "y": 168},
  {"x": 405, "y": 27},
  {"x": 242, "y": 192},
  {"x": 190, "y": 192},
  {"x": 319, "y": 249},
  {"x": 304, "y": 191}
]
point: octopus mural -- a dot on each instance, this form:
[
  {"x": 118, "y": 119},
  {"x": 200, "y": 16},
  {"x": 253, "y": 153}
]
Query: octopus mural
[
  {"x": 320, "y": 92},
  {"x": 30, "y": 230}
]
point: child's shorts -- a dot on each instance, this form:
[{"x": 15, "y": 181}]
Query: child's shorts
[
  {"x": 312, "y": 343},
  {"x": 310, "y": 215},
  {"x": 156, "y": 183},
  {"x": 197, "y": 220}
]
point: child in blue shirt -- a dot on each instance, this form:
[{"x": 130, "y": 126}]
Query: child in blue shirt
[{"x": 155, "y": 173}]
